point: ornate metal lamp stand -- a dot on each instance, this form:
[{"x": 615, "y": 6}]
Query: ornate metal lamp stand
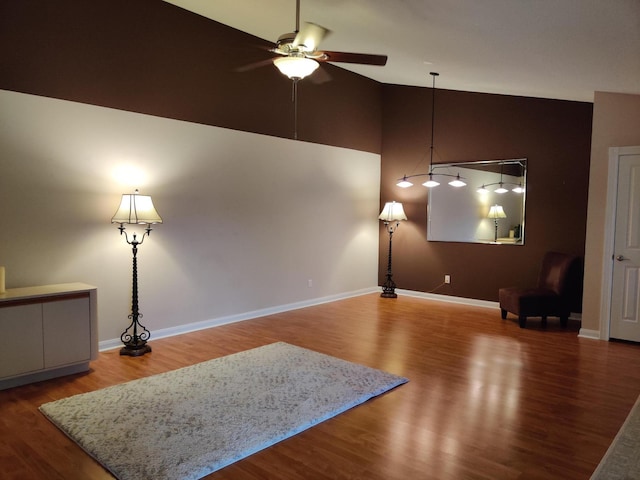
[
  {"x": 135, "y": 209},
  {"x": 391, "y": 213},
  {"x": 389, "y": 286},
  {"x": 135, "y": 343}
]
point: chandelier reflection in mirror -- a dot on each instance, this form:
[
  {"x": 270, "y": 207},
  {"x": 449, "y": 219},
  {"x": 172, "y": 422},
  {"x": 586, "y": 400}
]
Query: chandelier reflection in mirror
[{"x": 496, "y": 182}]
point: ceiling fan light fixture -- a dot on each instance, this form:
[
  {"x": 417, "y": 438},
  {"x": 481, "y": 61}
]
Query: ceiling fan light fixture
[{"x": 296, "y": 68}]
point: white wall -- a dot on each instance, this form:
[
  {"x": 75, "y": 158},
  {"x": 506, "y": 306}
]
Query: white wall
[{"x": 249, "y": 219}]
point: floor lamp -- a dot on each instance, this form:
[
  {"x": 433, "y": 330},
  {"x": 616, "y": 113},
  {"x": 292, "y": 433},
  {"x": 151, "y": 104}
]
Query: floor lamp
[
  {"x": 496, "y": 212},
  {"x": 135, "y": 209},
  {"x": 391, "y": 213}
]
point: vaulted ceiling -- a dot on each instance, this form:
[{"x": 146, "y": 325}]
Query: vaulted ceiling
[{"x": 562, "y": 49}]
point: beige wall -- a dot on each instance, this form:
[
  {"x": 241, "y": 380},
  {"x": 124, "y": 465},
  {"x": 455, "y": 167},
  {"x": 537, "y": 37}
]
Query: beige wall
[
  {"x": 248, "y": 219},
  {"x": 616, "y": 123}
]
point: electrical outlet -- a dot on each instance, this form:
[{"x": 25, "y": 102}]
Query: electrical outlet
[{"x": 447, "y": 279}]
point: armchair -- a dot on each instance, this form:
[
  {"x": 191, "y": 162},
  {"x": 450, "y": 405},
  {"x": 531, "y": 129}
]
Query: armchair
[{"x": 558, "y": 284}]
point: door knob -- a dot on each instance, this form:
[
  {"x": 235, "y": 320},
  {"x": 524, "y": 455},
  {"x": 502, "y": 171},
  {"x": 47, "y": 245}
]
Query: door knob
[{"x": 620, "y": 258}]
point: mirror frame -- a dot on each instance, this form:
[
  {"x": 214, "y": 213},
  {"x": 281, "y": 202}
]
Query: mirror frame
[{"x": 511, "y": 171}]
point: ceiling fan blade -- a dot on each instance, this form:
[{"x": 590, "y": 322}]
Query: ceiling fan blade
[
  {"x": 254, "y": 65},
  {"x": 320, "y": 76},
  {"x": 361, "y": 58},
  {"x": 310, "y": 36}
]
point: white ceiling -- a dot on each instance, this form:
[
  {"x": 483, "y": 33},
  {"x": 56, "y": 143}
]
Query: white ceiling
[{"x": 562, "y": 49}]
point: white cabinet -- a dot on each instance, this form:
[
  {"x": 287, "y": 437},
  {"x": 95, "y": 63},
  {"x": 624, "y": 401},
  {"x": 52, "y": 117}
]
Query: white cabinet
[
  {"x": 47, "y": 332},
  {"x": 21, "y": 342}
]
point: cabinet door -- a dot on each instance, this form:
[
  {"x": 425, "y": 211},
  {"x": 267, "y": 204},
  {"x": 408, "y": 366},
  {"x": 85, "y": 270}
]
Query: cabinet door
[
  {"x": 67, "y": 332},
  {"x": 20, "y": 339}
]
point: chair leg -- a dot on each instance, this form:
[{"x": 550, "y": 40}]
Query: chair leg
[
  {"x": 564, "y": 320},
  {"x": 503, "y": 313},
  {"x": 522, "y": 320},
  {"x": 544, "y": 320}
]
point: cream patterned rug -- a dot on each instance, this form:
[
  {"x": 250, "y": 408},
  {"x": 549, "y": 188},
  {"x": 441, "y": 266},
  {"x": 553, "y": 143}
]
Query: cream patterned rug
[
  {"x": 187, "y": 423},
  {"x": 622, "y": 459}
]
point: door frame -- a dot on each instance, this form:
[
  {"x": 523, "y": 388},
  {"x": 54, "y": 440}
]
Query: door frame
[{"x": 609, "y": 236}]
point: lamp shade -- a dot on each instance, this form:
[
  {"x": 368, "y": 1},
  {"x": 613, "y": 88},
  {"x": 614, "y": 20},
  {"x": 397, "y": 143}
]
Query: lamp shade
[
  {"x": 136, "y": 209},
  {"x": 501, "y": 189},
  {"x": 431, "y": 182},
  {"x": 457, "y": 182},
  {"x": 392, "y": 212},
  {"x": 496, "y": 211},
  {"x": 404, "y": 183},
  {"x": 296, "y": 68}
]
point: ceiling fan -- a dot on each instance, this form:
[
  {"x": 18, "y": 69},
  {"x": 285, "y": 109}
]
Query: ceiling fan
[{"x": 299, "y": 56}]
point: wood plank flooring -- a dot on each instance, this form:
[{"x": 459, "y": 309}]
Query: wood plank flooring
[{"x": 486, "y": 399}]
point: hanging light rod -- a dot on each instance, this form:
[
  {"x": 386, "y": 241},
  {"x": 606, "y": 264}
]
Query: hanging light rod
[{"x": 457, "y": 180}]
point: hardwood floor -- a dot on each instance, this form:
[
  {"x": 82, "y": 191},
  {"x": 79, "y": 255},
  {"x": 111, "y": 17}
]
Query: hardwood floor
[{"x": 486, "y": 399}]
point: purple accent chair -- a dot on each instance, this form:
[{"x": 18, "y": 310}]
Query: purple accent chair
[{"x": 559, "y": 281}]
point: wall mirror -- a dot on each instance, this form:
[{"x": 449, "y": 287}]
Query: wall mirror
[{"x": 488, "y": 209}]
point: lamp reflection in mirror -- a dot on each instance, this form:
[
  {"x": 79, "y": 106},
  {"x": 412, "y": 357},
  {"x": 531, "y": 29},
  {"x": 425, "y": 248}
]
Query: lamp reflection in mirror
[
  {"x": 391, "y": 214},
  {"x": 135, "y": 209},
  {"x": 496, "y": 212}
]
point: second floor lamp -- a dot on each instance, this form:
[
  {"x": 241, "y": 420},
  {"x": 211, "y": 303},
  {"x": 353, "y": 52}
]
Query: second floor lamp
[{"x": 391, "y": 215}]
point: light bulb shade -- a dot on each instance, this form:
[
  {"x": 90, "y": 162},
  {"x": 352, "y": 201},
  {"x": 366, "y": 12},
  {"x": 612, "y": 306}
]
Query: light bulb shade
[
  {"x": 392, "y": 212},
  {"x": 136, "y": 209},
  {"x": 501, "y": 189},
  {"x": 457, "y": 182},
  {"x": 518, "y": 189},
  {"x": 431, "y": 182},
  {"x": 404, "y": 183},
  {"x": 496, "y": 211},
  {"x": 483, "y": 189},
  {"x": 296, "y": 68}
]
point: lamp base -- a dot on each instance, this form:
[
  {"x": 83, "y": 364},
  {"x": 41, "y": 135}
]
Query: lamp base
[
  {"x": 135, "y": 349},
  {"x": 389, "y": 289}
]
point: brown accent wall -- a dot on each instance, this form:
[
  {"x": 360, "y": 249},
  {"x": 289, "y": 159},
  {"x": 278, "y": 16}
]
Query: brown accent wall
[
  {"x": 554, "y": 135},
  {"x": 151, "y": 57}
]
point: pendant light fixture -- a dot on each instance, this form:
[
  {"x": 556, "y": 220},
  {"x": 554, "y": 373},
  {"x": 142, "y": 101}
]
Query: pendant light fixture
[{"x": 431, "y": 182}]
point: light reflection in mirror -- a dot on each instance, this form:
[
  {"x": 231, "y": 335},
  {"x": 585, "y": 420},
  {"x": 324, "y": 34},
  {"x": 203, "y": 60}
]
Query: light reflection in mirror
[{"x": 462, "y": 214}]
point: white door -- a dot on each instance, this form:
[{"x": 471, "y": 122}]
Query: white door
[{"x": 625, "y": 293}]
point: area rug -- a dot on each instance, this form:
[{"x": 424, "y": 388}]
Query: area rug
[
  {"x": 187, "y": 423},
  {"x": 622, "y": 459}
]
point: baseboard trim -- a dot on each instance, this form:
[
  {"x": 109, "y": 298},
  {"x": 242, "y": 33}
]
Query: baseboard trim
[
  {"x": 449, "y": 298},
  {"x": 216, "y": 322},
  {"x": 471, "y": 302},
  {"x": 592, "y": 334}
]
